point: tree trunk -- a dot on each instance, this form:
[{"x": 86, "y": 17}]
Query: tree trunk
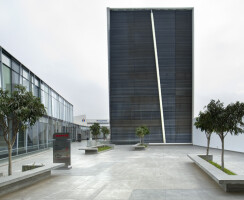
[
  {"x": 140, "y": 139},
  {"x": 222, "y": 156},
  {"x": 208, "y": 145},
  {"x": 9, "y": 160}
]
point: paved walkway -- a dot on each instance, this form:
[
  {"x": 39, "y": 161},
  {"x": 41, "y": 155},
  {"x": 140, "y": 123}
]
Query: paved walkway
[{"x": 159, "y": 173}]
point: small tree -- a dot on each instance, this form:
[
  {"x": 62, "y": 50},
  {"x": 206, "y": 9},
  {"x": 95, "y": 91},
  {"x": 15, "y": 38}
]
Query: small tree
[
  {"x": 216, "y": 108},
  {"x": 17, "y": 111},
  {"x": 204, "y": 122},
  {"x": 146, "y": 132},
  {"x": 226, "y": 120},
  {"x": 141, "y": 132},
  {"x": 95, "y": 130},
  {"x": 105, "y": 131}
]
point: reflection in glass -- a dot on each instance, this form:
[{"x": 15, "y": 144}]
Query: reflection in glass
[
  {"x": 15, "y": 79},
  {"x": 5, "y": 60},
  {"x": 26, "y": 84},
  {"x": 15, "y": 66},
  {"x": 6, "y": 78},
  {"x": 25, "y": 74}
]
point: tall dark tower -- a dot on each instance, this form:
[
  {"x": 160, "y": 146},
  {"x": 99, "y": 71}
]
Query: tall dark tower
[{"x": 150, "y": 74}]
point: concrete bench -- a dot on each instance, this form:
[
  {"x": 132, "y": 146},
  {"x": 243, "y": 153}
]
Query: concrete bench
[
  {"x": 230, "y": 183},
  {"x": 90, "y": 150},
  {"x": 23, "y": 179}
]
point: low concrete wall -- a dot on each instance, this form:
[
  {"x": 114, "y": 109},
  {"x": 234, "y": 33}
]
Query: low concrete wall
[
  {"x": 229, "y": 183},
  {"x": 139, "y": 147},
  {"x": 23, "y": 179}
]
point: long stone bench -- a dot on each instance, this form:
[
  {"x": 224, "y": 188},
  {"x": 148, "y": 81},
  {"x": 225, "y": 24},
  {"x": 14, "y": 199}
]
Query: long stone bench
[
  {"x": 230, "y": 183},
  {"x": 23, "y": 179},
  {"x": 90, "y": 150}
]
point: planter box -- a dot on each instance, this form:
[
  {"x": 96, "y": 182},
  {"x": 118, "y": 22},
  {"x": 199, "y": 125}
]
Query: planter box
[
  {"x": 30, "y": 167},
  {"x": 205, "y": 157},
  {"x": 229, "y": 183},
  {"x": 139, "y": 147},
  {"x": 94, "y": 149}
]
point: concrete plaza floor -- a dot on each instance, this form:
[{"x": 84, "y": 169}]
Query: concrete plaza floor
[{"x": 159, "y": 173}]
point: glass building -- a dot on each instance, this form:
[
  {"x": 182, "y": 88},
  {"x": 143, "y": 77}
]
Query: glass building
[
  {"x": 150, "y": 74},
  {"x": 59, "y": 111}
]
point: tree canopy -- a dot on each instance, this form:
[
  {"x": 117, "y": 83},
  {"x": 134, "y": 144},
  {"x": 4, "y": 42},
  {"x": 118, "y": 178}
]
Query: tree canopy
[
  {"x": 105, "y": 131},
  {"x": 204, "y": 122},
  {"x": 141, "y": 131},
  {"x": 95, "y": 129}
]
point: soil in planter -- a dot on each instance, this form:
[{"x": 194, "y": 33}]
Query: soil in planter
[
  {"x": 219, "y": 167},
  {"x": 103, "y": 148}
]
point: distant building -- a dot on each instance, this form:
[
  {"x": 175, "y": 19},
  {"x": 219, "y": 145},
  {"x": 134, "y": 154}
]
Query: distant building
[
  {"x": 82, "y": 120},
  {"x": 102, "y": 122}
]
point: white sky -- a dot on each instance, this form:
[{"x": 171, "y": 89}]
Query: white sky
[{"x": 64, "y": 42}]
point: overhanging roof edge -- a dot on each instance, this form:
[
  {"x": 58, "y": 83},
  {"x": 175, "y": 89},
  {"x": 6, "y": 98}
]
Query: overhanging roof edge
[{"x": 153, "y": 8}]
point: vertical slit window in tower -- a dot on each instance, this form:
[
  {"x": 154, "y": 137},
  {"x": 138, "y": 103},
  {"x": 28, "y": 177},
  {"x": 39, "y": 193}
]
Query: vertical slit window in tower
[{"x": 158, "y": 77}]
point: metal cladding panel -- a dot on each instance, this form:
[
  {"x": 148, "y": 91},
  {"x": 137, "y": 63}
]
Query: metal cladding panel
[
  {"x": 174, "y": 44},
  {"x": 183, "y": 76},
  {"x": 165, "y": 34},
  {"x": 134, "y": 99},
  {"x": 133, "y": 83}
]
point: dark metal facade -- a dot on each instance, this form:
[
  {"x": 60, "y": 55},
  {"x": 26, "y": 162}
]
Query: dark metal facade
[{"x": 133, "y": 85}]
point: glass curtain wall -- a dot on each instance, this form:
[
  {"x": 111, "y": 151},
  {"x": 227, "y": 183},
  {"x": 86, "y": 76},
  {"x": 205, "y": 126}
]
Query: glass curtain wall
[{"x": 59, "y": 111}]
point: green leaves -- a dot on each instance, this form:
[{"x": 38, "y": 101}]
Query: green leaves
[
  {"x": 105, "y": 130},
  {"x": 235, "y": 113},
  {"x": 95, "y": 129},
  {"x": 220, "y": 119},
  {"x": 142, "y": 131},
  {"x": 20, "y": 109}
]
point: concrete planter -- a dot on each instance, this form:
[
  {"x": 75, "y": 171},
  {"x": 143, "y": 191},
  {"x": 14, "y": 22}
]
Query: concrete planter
[
  {"x": 112, "y": 148},
  {"x": 206, "y": 157},
  {"x": 139, "y": 147},
  {"x": 31, "y": 166},
  {"x": 94, "y": 149},
  {"x": 229, "y": 183}
]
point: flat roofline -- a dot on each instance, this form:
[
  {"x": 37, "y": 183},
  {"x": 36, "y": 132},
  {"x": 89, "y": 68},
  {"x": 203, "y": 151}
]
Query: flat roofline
[
  {"x": 12, "y": 57},
  {"x": 152, "y": 8}
]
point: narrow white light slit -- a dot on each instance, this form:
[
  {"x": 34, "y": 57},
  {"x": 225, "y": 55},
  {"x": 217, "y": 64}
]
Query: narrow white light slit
[{"x": 158, "y": 77}]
